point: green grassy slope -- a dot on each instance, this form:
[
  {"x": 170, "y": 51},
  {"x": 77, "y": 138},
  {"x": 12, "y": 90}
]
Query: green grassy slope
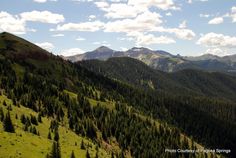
[{"x": 27, "y": 145}]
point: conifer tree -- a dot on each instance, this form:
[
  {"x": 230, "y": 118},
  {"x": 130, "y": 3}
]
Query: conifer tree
[
  {"x": 72, "y": 154},
  {"x": 56, "y": 152},
  {"x": 7, "y": 124},
  {"x": 56, "y": 135},
  {"x": 49, "y": 135},
  {"x": 1, "y": 114},
  {"x": 87, "y": 154},
  {"x": 82, "y": 145},
  {"x": 4, "y": 103},
  {"x": 39, "y": 118}
]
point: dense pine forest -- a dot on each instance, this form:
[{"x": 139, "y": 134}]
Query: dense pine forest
[{"x": 89, "y": 110}]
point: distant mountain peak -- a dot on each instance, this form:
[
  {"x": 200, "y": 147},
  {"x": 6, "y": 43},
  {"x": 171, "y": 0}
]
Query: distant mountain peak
[{"x": 103, "y": 49}]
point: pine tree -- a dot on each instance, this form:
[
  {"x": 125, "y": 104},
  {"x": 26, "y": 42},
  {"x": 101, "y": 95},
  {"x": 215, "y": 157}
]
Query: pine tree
[
  {"x": 1, "y": 114},
  {"x": 7, "y": 124},
  {"x": 4, "y": 103},
  {"x": 56, "y": 135},
  {"x": 82, "y": 146},
  {"x": 23, "y": 119},
  {"x": 39, "y": 118},
  {"x": 49, "y": 135},
  {"x": 87, "y": 154},
  {"x": 72, "y": 154},
  {"x": 56, "y": 152}
]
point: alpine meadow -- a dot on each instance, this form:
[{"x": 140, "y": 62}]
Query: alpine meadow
[{"x": 117, "y": 79}]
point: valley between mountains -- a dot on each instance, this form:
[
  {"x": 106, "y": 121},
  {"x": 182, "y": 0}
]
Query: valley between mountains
[{"x": 111, "y": 104}]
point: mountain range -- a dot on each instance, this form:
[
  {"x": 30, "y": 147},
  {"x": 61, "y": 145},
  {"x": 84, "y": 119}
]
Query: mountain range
[
  {"x": 162, "y": 60},
  {"x": 118, "y": 107}
]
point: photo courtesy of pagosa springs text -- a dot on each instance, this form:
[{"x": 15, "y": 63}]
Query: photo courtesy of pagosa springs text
[{"x": 217, "y": 151}]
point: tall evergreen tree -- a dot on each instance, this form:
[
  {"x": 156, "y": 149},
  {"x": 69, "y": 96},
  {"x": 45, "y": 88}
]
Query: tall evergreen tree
[
  {"x": 56, "y": 152},
  {"x": 87, "y": 154},
  {"x": 72, "y": 154},
  {"x": 49, "y": 135},
  {"x": 7, "y": 124},
  {"x": 82, "y": 146},
  {"x": 1, "y": 114},
  {"x": 56, "y": 135}
]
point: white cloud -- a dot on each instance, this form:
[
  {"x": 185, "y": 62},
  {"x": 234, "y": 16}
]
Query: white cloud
[
  {"x": 72, "y": 51},
  {"x": 161, "y": 4},
  {"x": 85, "y": 26},
  {"x": 190, "y": 1},
  {"x": 146, "y": 21},
  {"x": 118, "y": 1},
  {"x": 42, "y": 16},
  {"x": 124, "y": 49},
  {"x": 58, "y": 35},
  {"x": 92, "y": 17},
  {"x": 185, "y": 34},
  {"x": 217, "y": 51},
  {"x": 148, "y": 39},
  {"x": 204, "y": 15},
  {"x": 183, "y": 25},
  {"x": 82, "y": 0},
  {"x": 217, "y": 40},
  {"x": 80, "y": 39},
  {"x": 132, "y": 8},
  {"x": 44, "y": 1},
  {"x": 217, "y": 20},
  {"x": 46, "y": 45},
  {"x": 101, "y": 4},
  {"x": 11, "y": 23},
  {"x": 121, "y": 10},
  {"x": 233, "y": 14},
  {"x": 169, "y": 14},
  {"x": 40, "y": 1}
]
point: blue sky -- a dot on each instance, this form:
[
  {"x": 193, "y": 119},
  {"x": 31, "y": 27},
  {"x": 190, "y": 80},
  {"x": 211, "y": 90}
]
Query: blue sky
[{"x": 68, "y": 27}]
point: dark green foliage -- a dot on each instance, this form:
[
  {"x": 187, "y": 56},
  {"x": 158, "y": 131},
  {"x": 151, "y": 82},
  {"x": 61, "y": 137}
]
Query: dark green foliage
[
  {"x": 33, "y": 120},
  {"x": 39, "y": 118},
  {"x": 1, "y": 114},
  {"x": 4, "y": 103},
  {"x": 87, "y": 154},
  {"x": 82, "y": 145},
  {"x": 49, "y": 135},
  {"x": 23, "y": 119},
  {"x": 56, "y": 135},
  {"x": 7, "y": 123},
  {"x": 33, "y": 130},
  {"x": 56, "y": 151},
  {"x": 72, "y": 154}
]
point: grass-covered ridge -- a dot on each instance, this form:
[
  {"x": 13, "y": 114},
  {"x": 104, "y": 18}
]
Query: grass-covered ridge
[{"x": 28, "y": 145}]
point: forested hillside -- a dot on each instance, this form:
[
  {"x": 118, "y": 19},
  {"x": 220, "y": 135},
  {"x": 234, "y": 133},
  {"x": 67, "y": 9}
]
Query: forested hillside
[
  {"x": 188, "y": 81},
  {"x": 75, "y": 112}
]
